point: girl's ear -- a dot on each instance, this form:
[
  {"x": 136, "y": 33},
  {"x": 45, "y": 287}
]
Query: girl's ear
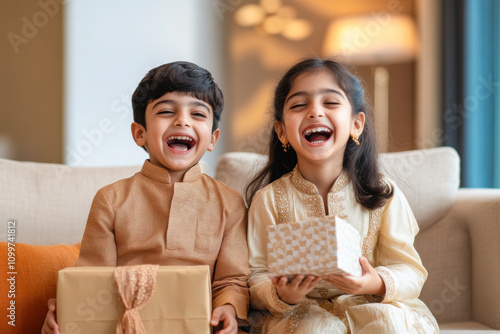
[
  {"x": 359, "y": 123},
  {"x": 139, "y": 134},
  {"x": 280, "y": 131},
  {"x": 213, "y": 140}
]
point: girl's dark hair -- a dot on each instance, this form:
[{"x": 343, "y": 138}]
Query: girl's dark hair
[
  {"x": 179, "y": 76},
  {"x": 360, "y": 162}
]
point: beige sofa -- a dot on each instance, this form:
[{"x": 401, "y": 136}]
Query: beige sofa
[{"x": 459, "y": 239}]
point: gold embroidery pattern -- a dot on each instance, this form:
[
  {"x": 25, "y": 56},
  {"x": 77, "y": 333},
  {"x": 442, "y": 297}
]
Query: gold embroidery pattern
[
  {"x": 336, "y": 205},
  {"x": 282, "y": 202},
  {"x": 277, "y": 300},
  {"x": 322, "y": 292},
  {"x": 341, "y": 182},
  {"x": 390, "y": 285},
  {"x": 316, "y": 209},
  {"x": 339, "y": 312},
  {"x": 296, "y": 315},
  {"x": 302, "y": 184},
  {"x": 314, "y": 200},
  {"x": 371, "y": 237}
]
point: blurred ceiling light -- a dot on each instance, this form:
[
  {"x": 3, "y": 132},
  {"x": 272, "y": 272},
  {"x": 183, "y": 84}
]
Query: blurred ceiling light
[
  {"x": 373, "y": 39},
  {"x": 297, "y": 30},
  {"x": 270, "y": 6},
  {"x": 249, "y": 15},
  {"x": 287, "y": 12},
  {"x": 271, "y": 18},
  {"x": 273, "y": 24}
]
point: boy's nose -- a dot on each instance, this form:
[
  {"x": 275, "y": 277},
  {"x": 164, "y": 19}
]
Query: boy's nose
[{"x": 181, "y": 120}]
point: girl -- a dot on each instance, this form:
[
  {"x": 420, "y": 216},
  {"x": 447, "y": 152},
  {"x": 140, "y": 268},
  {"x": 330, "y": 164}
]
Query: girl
[{"x": 323, "y": 161}]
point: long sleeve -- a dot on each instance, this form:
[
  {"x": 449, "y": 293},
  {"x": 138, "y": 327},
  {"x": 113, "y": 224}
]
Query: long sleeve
[
  {"x": 396, "y": 259},
  {"x": 263, "y": 294},
  {"x": 98, "y": 242},
  {"x": 231, "y": 269}
]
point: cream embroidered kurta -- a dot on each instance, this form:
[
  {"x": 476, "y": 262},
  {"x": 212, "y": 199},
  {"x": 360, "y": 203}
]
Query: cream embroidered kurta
[
  {"x": 387, "y": 242},
  {"x": 146, "y": 219}
]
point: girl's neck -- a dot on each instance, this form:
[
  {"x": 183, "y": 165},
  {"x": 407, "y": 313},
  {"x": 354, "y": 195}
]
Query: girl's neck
[{"x": 321, "y": 174}]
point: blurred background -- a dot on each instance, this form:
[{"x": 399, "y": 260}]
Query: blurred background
[{"x": 68, "y": 69}]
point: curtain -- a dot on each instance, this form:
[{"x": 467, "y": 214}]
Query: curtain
[{"x": 471, "y": 86}]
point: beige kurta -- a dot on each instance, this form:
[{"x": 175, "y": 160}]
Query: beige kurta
[
  {"x": 145, "y": 219},
  {"x": 387, "y": 242}
]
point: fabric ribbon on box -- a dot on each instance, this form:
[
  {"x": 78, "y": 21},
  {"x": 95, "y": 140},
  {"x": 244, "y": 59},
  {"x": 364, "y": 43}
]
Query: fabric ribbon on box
[{"x": 135, "y": 286}]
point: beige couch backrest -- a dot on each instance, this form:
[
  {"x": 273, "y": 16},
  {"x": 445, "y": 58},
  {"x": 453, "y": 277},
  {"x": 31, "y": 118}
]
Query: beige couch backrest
[
  {"x": 50, "y": 202},
  {"x": 429, "y": 178}
]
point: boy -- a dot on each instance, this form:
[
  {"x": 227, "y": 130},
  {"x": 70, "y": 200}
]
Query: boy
[{"x": 170, "y": 213}]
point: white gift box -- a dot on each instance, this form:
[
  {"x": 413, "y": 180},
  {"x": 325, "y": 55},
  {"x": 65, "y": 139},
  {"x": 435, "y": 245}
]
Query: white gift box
[{"x": 319, "y": 246}]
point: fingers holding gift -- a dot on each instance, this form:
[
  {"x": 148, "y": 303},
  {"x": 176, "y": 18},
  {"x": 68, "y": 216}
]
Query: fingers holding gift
[
  {"x": 291, "y": 292},
  {"x": 368, "y": 283}
]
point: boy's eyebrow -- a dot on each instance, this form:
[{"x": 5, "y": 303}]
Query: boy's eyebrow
[
  {"x": 191, "y": 104},
  {"x": 320, "y": 91},
  {"x": 199, "y": 104}
]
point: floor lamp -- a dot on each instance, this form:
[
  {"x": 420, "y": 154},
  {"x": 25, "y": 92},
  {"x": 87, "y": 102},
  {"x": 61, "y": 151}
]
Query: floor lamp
[{"x": 376, "y": 40}]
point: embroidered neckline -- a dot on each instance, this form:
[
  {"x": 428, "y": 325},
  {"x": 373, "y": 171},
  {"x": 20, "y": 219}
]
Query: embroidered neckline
[{"x": 309, "y": 188}]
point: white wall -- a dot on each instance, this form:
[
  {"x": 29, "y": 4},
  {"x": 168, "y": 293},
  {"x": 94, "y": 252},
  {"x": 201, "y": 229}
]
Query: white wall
[{"x": 110, "y": 45}]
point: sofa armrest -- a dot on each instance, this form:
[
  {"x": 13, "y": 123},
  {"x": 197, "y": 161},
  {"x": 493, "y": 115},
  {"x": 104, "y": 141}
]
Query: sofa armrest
[{"x": 478, "y": 211}]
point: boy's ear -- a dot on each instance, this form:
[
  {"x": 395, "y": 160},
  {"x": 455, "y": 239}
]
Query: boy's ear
[
  {"x": 359, "y": 123},
  {"x": 213, "y": 140},
  {"x": 138, "y": 132}
]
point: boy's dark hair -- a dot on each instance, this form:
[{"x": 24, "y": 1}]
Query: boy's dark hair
[
  {"x": 179, "y": 76},
  {"x": 360, "y": 162}
]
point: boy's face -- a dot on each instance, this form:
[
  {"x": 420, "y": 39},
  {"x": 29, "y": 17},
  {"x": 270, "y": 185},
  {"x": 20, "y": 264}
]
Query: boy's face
[{"x": 178, "y": 131}]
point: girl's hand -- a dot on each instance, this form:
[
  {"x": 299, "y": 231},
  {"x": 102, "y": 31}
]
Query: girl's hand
[
  {"x": 369, "y": 283},
  {"x": 292, "y": 292},
  {"x": 224, "y": 316}
]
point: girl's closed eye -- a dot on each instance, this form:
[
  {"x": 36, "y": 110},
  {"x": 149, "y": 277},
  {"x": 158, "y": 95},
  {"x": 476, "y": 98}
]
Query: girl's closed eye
[
  {"x": 332, "y": 103},
  {"x": 298, "y": 105}
]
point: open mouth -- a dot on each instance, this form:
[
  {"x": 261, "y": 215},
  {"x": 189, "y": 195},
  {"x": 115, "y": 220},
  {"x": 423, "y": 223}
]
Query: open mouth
[
  {"x": 180, "y": 143},
  {"x": 317, "y": 135}
]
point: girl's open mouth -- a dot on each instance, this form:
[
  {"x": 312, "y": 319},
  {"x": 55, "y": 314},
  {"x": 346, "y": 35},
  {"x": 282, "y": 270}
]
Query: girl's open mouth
[
  {"x": 180, "y": 143},
  {"x": 317, "y": 135}
]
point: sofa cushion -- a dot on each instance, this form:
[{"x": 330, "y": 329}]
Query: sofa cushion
[
  {"x": 51, "y": 202},
  {"x": 33, "y": 284},
  {"x": 429, "y": 178}
]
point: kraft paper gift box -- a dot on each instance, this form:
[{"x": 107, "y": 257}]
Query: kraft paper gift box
[
  {"x": 88, "y": 302},
  {"x": 320, "y": 246}
]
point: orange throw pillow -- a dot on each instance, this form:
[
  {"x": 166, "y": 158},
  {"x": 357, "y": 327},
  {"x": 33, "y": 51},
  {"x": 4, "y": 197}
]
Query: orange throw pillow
[{"x": 34, "y": 282}]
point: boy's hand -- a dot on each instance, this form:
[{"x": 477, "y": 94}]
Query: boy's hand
[
  {"x": 369, "y": 283},
  {"x": 227, "y": 315},
  {"x": 50, "y": 325},
  {"x": 292, "y": 292}
]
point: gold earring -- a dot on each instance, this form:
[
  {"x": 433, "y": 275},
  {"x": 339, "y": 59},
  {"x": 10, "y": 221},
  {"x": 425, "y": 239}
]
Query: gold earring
[
  {"x": 355, "y": 138},
  {"x": 285, "y": 145}
]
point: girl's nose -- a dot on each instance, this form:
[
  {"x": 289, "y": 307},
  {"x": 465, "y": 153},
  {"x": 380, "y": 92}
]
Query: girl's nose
[{"x": 315, "y": 110}]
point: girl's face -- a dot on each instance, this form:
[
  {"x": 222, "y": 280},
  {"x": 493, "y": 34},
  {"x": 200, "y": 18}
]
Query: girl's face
[{"x": 318, "y": 118}]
